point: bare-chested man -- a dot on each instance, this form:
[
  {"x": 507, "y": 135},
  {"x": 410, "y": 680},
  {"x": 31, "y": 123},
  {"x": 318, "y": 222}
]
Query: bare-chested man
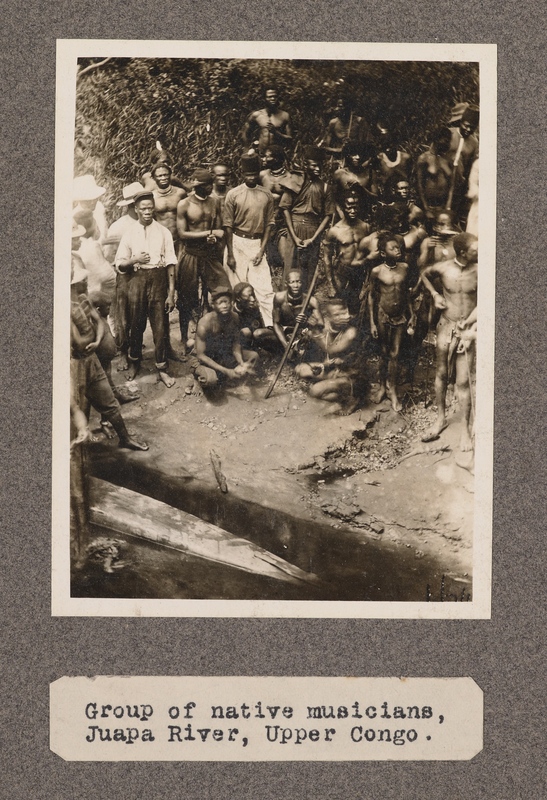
[
  {"x": 345, "y": 275},
  {"x": 334, "y": 378},
  {"x": 199, "y": 226},
  {"x": 287, "y": 308},
  {"x": 167, "y": 197},
  {"x": 342, "y": 128},
  {"x": 221, "y": 177},
  {"x": 458, "y": 302},
  {"x": 434, "y": 173},
  {"x": 219, "y": 356},
  {"x": 268, "y": 125},
  {"x": 275, "y": 178},
  {"x": 390, "y": 312}
]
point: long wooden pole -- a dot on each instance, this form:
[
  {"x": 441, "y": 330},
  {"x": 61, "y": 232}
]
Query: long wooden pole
[{"x": 293, "y": 334}]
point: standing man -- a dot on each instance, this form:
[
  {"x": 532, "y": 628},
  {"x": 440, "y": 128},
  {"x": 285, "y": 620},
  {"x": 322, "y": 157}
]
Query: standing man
[
  {"x": 434, "y": 174},
  {"x": 345, "y": 273},
  {"x": 342, "y": 128},
  {"x": 268, "y": 125},
  {"x": 166, "y": 199},
  {"x": 248, "y": 220},
  {"x": 199, "y": 226},
  {"x": 221, "y": 175},
  {"x": 146, "y": 253},
  {"x": 308, "y": 212},
  {"x": 390, "y": 311},
  {"x": 275, "y": 178},
  {"x": 462, "y": 152},
  {"x": 458, "y": 302}
]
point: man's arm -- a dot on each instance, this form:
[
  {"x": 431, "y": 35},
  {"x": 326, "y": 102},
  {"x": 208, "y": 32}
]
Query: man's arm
[
  {"x": 426, "y": 276},
  {"x": 372, "y": 302},
  {"x": 421, "y": 169},
  {"x": 276, "y": 318},
  {"x": 324, "y": 224},
  {"x": 328, "y": 256},
  {"x": 200, "y": 345},
  {"x": 423, "y": 258},
  {"x": 284, "y": 132},
  {"x": 247, "y": 134}
]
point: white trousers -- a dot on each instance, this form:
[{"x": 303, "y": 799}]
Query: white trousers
[{"x": 245, "y": 250}]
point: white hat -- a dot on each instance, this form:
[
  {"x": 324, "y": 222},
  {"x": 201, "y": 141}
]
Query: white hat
[
  {"x": 85, "y": 188},
  {"x": 77, "y": 230},
  {"x": 129, "y": 193}
]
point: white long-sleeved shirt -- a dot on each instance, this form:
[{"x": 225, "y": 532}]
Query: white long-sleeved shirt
[{"x": 153, "y": 239}]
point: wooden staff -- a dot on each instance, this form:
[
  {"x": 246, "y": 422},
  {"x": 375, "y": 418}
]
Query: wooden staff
[{"x": 293, "y": 334}]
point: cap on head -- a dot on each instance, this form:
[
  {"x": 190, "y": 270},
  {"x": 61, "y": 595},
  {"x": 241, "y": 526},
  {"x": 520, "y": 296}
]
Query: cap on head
[
  {"x": 85, "y": 188},
  {"x": 129, "y": 192},
  {"x": 249, "y": 163},
  {"x": 221, "y": 291},
  {"x": 201, "y": 176},
  {"x": 146, "y": 194},
  {"x": 471, "y": 115},
  {"x": 313, "y": 153}
]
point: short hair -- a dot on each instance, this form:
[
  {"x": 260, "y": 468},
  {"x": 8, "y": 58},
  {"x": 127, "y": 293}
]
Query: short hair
[
  {"x": 332, "y": 302},
  {"x": 352, "y": 149},
  {"x": 295, "y": 270},
  {"x": 462, "y": 241},
  {"x": 270, "y": 87},
  {"x": 221, "y": 164},
  {"x": 161, "y": 165},
  {"x": 391, "y": 184},
  {"x": 387, "y": 236}
]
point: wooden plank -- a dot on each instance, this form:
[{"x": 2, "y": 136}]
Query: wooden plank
[{"x": 131, "y": 513}]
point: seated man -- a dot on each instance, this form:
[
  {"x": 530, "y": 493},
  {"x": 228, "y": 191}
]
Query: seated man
[
  {"x": 253, "y": 331},
  {"x": 218, "y": 353},
  {"x": 391, "y": 312},
  {"x": 335, "y": 378},
  {"x": 287, "y": 309}
]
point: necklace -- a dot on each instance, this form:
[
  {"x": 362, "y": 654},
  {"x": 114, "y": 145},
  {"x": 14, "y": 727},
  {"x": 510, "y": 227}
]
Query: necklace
[{"x": 165, "y": 192}]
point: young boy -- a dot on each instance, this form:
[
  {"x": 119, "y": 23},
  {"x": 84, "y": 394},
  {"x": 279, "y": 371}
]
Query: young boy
[{"x": 390, "y": 312}]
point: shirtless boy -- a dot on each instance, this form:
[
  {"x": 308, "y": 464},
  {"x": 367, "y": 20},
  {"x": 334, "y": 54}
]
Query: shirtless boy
[
  {"x": 458, "y": 302},
  {"x": 390, "y": 312},
  {"x": 219, "y": 356},
  {"x": 344, "y": 274},
  {"x": 287, "y": 308}
]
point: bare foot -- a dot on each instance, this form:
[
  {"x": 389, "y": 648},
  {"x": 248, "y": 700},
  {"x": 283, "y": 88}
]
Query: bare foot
[
  {"x": 166, "y": 378},
  {"x": 466, "y": 443},
  {"x": 378, "y": 395},
  {"x": 133, "y": 444},
  {"x": 107, "y": 429},
  {"x": 350, "y": 407},
  {"x": 395, "y": 402},
  {"x": 124, "y": 363},
  {"x": 132, "y": 371},
  {"x": 123, "y": 395},
  {"x": 172, "y": 355},
  {"x": 434, "y": 432}
]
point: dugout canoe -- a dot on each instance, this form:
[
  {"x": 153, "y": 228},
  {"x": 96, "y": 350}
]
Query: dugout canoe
[{"x": 128, "y": 512}]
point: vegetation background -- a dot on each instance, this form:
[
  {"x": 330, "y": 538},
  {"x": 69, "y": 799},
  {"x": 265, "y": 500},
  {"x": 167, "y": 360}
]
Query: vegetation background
[{"x": 196, "y": 108}]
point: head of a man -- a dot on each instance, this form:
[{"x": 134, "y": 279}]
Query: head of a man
[
  {"x": 294, "y": 283},
  {"x": 351, "y": 207},
  {"x": 466, "y": 246},
  {"x": 313, "y": 161},
  {"x": 469, "y": 121},
  {"x": 271, "y": 97},
  {"x": 352, "y": 155},
  {"x": 401, "y": 190},
  {"x": 391, "y": 247},
  {"x": 222, "y": 301},
  {"x": 443, "y": 223},
  {"x": 144, "y": 206},
  {"x": 220, "y": 176},
  {"x": 274, "y": 157},
  {"x": 202, "y": 181},
  {"x": 441, "y": 140},
  {"x": 162, "y": 175},
  {"x": 244, "y": 296},
  {"x": 250, "y": 169},
  {"x": 342, "y": 108},
  {"x": 337, "y": 314}
]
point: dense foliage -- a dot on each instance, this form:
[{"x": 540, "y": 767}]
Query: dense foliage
[{"x": 196, "y": 108}]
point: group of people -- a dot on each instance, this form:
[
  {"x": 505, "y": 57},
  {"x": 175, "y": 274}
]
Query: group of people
[{"x": 393, "y": 238}]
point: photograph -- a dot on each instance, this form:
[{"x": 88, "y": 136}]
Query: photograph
[{"x": 273, "y": 369}]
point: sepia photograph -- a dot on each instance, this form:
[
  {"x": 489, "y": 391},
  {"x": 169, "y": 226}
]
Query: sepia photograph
[{"x": 273, "y": 368}]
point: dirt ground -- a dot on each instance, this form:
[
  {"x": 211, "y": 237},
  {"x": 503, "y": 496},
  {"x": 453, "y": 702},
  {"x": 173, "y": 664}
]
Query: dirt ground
[{"x": 367, "y": 476}]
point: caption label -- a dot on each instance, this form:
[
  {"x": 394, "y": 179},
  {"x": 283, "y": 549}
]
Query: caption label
[{"x": 265, "y": 719}]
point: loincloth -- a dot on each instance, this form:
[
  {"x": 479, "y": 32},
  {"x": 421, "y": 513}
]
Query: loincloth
[{"x": 388, "y": 319}]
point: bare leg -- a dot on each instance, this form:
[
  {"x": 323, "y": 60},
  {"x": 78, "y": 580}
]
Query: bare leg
[
  {"x": 440, "y": 388},
  {"x": 395, "y": 335},
  {"x": 464, "y": 399}
]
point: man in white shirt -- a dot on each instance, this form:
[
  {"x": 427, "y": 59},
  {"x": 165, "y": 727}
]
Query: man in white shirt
[{"x": 146, "y": 253}]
